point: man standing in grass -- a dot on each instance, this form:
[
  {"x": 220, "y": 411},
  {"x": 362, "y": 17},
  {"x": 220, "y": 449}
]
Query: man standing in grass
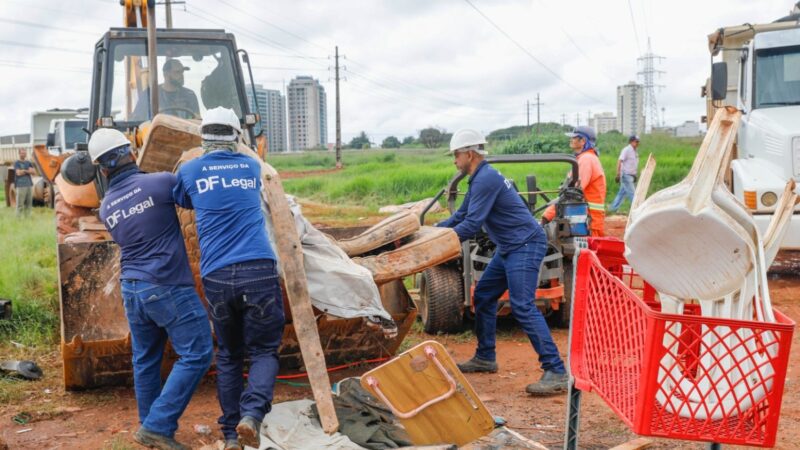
[
  {"x": 493, "y": 203},
  {"x": 240, "y": 276},
  {"x": 627, "y": 171},
  {"x": 23, "y": 183},
  {"x": 157, "y": 288}
]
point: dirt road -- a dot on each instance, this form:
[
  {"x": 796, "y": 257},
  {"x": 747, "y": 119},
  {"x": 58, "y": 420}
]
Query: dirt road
[{"x": 106, "y": 418}]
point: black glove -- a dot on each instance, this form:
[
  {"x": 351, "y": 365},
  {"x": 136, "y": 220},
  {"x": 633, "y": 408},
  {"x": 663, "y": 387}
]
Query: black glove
[{"x": 617, "y": 179}]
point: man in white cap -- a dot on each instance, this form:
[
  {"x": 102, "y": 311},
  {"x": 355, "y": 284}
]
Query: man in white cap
[
  {"x": 157, "y": 288},
  {"x": 493, "y": 203},
  {"x": 239, "y": 271}
]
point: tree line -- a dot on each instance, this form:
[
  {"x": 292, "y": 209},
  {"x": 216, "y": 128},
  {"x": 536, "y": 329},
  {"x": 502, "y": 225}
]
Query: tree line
[{"x": 433, "y": 137}]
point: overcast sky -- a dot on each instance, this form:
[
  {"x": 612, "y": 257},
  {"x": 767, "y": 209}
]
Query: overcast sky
[{"x": 409, "y": 63}]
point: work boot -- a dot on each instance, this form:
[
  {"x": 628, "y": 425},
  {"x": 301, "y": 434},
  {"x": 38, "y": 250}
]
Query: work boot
[
  {"x": 155, "y": 440},
  {"x": 478, "y": 365},
  {"x": 551, "y": 383},
  {"x": 232, "y": 444},
  {"x": 249, "y": 431}
]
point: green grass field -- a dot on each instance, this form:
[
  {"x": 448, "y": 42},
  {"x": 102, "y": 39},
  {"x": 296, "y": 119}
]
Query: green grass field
[
  {"x": 371, "y": 179},
  {"x": 28, "y": 276},
  {"x": 374, "y": 178}
]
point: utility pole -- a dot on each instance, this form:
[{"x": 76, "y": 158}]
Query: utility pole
[
  {"x": 538, "y": 113},
  {"x": 168, "y": 7},
  {"x": 528, "y": 112},
  {"x": 577, "y": 119},
  {"x": 563, "y": 119},
  {"x": 589, "y": 118},
  {"x": 338, "y": 117}
]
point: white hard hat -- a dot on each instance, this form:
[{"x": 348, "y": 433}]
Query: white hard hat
[
  {"x": 467, "y": 139},
  {"x": 220, "y": 116},
  {"x": 104, "y": 140}
]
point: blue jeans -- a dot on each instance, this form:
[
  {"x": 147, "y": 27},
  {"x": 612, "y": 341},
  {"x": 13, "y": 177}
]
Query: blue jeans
[
  {"x": 517, "y": 271},
  {"x": 156, "y": 312},
  {"x": 626, "y": 189},
  {"x": 246, "y": 305}
]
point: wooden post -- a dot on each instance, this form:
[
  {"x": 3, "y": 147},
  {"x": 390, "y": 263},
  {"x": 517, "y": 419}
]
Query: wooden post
[{"x": 290, "y": 254}]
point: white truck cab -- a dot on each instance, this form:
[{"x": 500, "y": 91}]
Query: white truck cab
[
  {"x": 764, "y": 64},
  {"x": 65, "y": 133}
]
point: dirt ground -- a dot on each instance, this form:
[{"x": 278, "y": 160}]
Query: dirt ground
[{"x": 106, "y": 418}]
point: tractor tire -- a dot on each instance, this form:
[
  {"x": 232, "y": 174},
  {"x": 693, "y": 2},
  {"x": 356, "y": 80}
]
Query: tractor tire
[
  {"x": 11, "y": 195},
  {"x": 441, "y": 299}
]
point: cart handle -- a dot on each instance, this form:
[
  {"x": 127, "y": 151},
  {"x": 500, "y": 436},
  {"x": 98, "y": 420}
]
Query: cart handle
[{"x": 430, "y": 353}]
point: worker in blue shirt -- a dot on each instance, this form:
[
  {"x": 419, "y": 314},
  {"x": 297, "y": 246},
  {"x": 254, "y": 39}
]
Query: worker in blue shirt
[
  {"x": 493, "y": 203},
  {"x": 157, "y": 288},
  {"x": 239, "y": 273}
]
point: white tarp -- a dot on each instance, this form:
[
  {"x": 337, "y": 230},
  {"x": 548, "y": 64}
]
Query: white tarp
[{"x": 336, "y": 284}]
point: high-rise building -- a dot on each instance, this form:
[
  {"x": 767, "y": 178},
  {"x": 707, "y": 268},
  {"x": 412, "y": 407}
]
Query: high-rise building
[
  {"x": 603, "y": 122},
  {"x": 272, "y": 109},
  {"x": 630, "y": 108},
  {"x": 308, "y": 117}
]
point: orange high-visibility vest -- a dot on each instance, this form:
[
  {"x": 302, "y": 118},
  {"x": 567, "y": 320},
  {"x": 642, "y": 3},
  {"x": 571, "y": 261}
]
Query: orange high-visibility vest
[{"x": 593, "y": 183}]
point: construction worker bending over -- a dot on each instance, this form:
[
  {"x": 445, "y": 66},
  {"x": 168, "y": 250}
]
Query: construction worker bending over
[
  {"x": 593, "y": 180},
  {"x": 239, "y": 274},
  {"x": 157, "y": 288},
  {"x": 493, "y": 203}
]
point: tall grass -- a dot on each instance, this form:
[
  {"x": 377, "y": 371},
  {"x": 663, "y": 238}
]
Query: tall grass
[
  {"x": 373, "y": 178},
  {"x": 28, "y": 276}
]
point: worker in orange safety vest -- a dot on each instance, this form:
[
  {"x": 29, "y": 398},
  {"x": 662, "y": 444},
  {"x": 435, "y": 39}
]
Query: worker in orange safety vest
[{"x": 592, "y": 178}]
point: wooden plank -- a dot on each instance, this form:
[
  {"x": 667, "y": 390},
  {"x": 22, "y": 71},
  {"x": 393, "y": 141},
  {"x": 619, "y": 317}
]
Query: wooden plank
[
  {"x": 413, "y": 380},
  {"x": 636, "y": 444},
  {"x": 290, "y": 254},
  {"x": 386, "y": 231},
  {"x": 430, "y": 246},
  {"x": 645, "y": 177}
]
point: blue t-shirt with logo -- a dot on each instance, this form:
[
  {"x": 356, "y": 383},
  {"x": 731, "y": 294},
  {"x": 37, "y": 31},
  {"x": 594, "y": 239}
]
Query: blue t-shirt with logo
[
  {"x": 224, "y": 189},
  {"x": 139, "y": 211}
]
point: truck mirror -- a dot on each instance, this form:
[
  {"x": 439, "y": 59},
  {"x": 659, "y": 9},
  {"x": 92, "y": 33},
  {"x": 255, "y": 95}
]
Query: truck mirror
[
  {"x": 719, "y": 81},
  {"x": 51, "y": 140}
]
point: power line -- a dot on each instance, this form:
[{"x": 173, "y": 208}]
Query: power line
[
  {"x": 40, "y": 26},
  {"x": 43, "y": 47},
  {"x": 525, "y": 50},
  {"x": 269, "y": 24},
  {"x": 635, "y": 32},
  {"x": 49, "y": 67}
]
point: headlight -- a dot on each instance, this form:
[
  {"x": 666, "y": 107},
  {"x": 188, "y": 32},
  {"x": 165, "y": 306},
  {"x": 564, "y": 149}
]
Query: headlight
[{"x": 769, "y": 198}]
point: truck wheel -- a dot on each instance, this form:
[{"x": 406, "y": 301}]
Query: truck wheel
[
  {"x": 11, "y": 195},
  {"x": 441, "y": 299}
]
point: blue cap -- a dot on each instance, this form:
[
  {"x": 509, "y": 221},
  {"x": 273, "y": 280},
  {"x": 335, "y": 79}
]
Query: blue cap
[{"x": 633, "y": 138}]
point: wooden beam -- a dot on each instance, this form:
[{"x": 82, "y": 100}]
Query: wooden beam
[
  {"x": 290, "y": 254},
  {"x": 635, "y": 444}
]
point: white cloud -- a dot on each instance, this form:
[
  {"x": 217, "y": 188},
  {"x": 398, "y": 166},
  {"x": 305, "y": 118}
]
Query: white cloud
[{"x": 427, "y": 62}]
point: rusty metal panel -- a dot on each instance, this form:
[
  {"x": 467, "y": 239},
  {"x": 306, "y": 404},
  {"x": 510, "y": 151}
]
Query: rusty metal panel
[{"x": 91, "y": 301}]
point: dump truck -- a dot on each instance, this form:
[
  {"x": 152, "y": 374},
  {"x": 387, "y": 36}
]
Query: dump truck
[
  {"x": 756, "y": 69},
  {"x": 54, "y": 131},
  {"x": 95, "y": 338}
]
